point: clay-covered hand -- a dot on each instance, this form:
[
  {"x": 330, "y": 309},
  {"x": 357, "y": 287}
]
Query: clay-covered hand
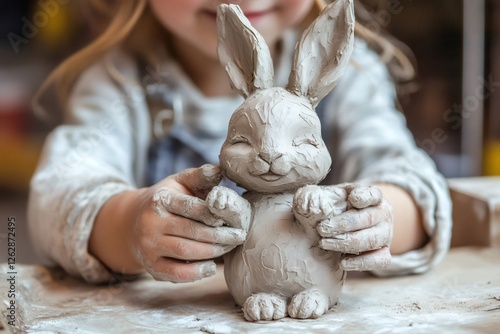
[
  {"x": 363, "y": 232},
  {"x": 176, "y": 236}
]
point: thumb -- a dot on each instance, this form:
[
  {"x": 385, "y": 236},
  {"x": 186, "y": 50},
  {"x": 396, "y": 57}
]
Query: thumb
[
  {"x": 362, "y": 196},
  {"x": 199, "y": 181},
  {"x": 365, "y": 196}
]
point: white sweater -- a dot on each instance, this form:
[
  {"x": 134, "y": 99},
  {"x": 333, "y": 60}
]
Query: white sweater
[{"x": 102, "y": 149}]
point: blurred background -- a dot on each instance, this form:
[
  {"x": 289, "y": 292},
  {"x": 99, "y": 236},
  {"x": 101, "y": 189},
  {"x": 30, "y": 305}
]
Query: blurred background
[{"x": 452, "y": 107}]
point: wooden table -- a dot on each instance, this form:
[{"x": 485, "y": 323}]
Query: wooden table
[{"x": 462, "y": 295}]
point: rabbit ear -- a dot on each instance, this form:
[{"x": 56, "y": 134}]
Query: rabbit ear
[
  {"x": 323, "y": 52},
  {"x": 243, "y": 51}
]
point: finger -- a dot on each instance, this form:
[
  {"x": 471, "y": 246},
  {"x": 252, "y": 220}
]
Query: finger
[
  {"x": 360, "y": 241},
  {"x": 191, "y": 250},
  {"x": 184, "y": 205},
  {"x": 354, "y": 220},
  {"x": 187, "y": 228},
  {"x": 199, "y": 181},
  {"x": 374, "y": 260},
  {"x": 365, "y": 196},
  {"x": 176, "y": 271}
]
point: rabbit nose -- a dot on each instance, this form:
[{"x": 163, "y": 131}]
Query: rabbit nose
[
  {"x": 269, "y": 157},
  {"x": 275, "y": 162},
  {"x": 281, "y": 167}
]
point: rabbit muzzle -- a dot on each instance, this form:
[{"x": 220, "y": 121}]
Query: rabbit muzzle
[{"x": 270, "y": 166}]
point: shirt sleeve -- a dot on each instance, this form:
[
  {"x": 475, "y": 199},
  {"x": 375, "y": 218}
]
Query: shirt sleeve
[
  {"x": 370, "y": 143},
  {"x": 84, "y": 162}
]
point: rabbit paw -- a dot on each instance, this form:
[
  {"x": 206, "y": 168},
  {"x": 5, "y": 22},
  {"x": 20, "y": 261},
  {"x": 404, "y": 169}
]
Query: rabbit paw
[
  {"x": 227, "y": 205},
  {"x": 317, "y": 203},
  {"x": 308, "y": 304},
  {"x": 264, "y": 306}
]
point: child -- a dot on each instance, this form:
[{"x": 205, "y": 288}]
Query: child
[{"x": 119, "y": 189}]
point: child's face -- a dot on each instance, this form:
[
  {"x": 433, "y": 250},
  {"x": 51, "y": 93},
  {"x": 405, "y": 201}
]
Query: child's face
[{"x": 194, "y": 21}]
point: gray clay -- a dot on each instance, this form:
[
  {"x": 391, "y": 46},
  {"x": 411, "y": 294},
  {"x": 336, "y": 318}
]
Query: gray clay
[{"x": 275, "y": 151}]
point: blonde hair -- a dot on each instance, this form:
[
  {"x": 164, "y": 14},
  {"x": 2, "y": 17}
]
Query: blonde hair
[
  {"x": 132, "y": 25},
  {"x": 123, "y": 18}
]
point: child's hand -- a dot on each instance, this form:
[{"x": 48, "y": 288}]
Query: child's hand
[
  {"x": 364, "y": 232},
  {"x": 176, "y": 237}
]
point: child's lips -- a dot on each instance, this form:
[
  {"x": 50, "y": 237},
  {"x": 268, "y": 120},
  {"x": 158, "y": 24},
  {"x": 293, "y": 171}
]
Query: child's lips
[{"x": 251, "y": 15}]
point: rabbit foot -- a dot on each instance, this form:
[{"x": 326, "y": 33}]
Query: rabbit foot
[
  {"x": 264, "y": 306},
  {"x": 308, "y": 304},
  {"x": 313, "y": 204},
  {"x": 227, "y": 205}
]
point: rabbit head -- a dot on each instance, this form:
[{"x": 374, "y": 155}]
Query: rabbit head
[
  {"x": 274, "y": 139},
  {"x": 274, "y": 143}
]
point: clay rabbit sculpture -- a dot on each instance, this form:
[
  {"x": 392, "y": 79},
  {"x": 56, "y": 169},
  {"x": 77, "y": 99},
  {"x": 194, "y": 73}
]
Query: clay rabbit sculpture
[{"x": 275, "y": 151}]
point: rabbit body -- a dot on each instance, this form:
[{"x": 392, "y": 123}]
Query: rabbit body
[
  {"x": 273, "y": 148},
  {"x": 279, "y": 256}
]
